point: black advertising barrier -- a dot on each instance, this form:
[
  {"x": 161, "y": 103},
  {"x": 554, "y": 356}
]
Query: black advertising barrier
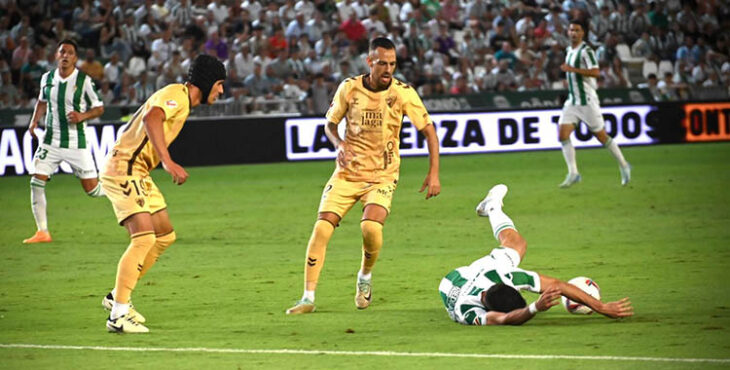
[{"x": 204, "y": 142}]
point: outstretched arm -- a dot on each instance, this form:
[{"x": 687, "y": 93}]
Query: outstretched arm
[
  {"x": 614, "y": 310},
  {"x": 432, "y": 181},
  {"x": 153, "y": 122},
  {"x": 547, "y": 299}
]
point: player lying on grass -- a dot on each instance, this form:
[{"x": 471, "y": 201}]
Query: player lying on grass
[{"x": 486, "y": 291}]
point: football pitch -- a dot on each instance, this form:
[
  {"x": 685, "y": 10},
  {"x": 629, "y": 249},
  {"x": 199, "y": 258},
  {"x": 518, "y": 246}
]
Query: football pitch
[{"x": 217, "y": 298}]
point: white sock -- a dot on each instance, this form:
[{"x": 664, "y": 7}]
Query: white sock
[
  {"x": 38, "y": 202},
  {"x": 361, "y": 276},
  {"x": 114, "y": 292},
  {"x": 96, "y": 192},
  {"x": 308, "y": 295},
  {"x": 119, "y": 310},
  {"x": 569, "y": 155},
  {"x": 499, "y": 220},
  {"x": 615, "y": 151}
]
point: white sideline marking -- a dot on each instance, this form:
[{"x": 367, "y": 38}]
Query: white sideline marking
[{"x": 365, "y": 353}]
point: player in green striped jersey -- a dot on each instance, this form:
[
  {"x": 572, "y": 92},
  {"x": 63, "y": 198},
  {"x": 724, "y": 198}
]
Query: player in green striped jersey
[
  {"x": 486, "y": 292},
  {"x": 582, "y": 104},
  {"x": 67, "y": 99}
]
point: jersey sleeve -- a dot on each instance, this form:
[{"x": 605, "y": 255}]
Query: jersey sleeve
[
  {"x": 92, "y": 94},
  {"x": 589, "y": 58},
  {"x": 44, "y": 81},
  {"x": 169, "y": 100},
  {"x": 415, "y": 110},
  {"x": 469, "y": 311},
  {"x": 339, "y": 105}
]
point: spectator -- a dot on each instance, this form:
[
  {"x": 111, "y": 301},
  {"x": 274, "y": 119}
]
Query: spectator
[
  {"x": 215, "y": 46},
  {"x": 107, "y": 95},
  {"x": 318, "y": 96},
  {"x": 374, "y": 25},
  {"x": 353, "y": 28},
  {"x": 113, "y": 71},
  {"x": 91, "y": 66},
  {"x": 505, "y": 53},
  {"x": 295, "y": 28},
  {"x": 642, "y": 47},
  {"x": 144, "y": 87},
  {"x": 163, "y": 45}
]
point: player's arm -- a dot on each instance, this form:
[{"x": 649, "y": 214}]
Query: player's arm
[
  {"x": 432, "y": 181},
  {"x": 614, "y": 310},
  {"x": 589, "y": 72},
  {"x": 97, "y": 106},
  {"x": 547, "y": 299},
  {"x": 344, "y": 153},
  {"x": 38, "y": 112},
  {"x": 76, "y": 117},
  {"x": 153, "y": 124}
]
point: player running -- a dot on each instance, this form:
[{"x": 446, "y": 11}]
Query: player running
[
  {"x": 582, "y": 104},
  {"x": 137, "y": 202},
  {"x": 486, "y": 291},
  {"x": 368, "y": 163}
]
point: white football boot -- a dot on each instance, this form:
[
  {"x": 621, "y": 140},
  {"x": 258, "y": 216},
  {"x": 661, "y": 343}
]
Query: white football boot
[{"x": 496, "y": 194}]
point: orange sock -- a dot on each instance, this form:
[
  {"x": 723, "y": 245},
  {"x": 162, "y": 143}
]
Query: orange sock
[
  {"x": 316, "y": 249},
  {"x": 131, "y": 264},
  {"x": 161, "y": 243},
  {"x": 372, "y": 241}
]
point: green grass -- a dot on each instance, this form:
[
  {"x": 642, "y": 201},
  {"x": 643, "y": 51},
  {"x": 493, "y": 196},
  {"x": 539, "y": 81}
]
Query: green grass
[{"x": 242, "y": 233}]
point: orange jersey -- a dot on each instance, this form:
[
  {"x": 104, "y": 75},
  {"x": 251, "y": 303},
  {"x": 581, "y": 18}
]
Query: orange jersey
[
  {"x": 133, "y": 153},
  {"x": 373, "y": 120}
]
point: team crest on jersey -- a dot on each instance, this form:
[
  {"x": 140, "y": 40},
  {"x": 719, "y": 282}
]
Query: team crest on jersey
[
  {"x": 140, "y": 201},
  {"x": 390, "y": 101},
  {"x": 171, "y": 103}
]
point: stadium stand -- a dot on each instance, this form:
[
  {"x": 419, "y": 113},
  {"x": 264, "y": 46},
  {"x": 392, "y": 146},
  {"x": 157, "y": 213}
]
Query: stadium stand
[{"x": 304, "y": 48}]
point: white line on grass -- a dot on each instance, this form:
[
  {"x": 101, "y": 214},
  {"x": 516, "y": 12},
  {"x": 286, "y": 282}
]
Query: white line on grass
[{"x": 364, "y": 353}]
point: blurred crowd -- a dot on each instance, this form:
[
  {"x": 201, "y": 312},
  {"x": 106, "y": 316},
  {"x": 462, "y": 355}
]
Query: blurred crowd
[{"x": 289, "y": 55}]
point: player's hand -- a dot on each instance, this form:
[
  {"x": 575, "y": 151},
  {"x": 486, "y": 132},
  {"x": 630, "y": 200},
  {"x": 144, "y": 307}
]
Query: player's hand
[
  {"x": 179, "y": 175},
  {"x": 33, "y": 125},
  {"x": 566, "y": 68},
  {"x": 74, "y": 117},
  {"x": 433, "y": 184},
  {"x": 550, "y": 297},
  {"x": 617, "y": 309},
  {"x": 344, "y": 154}
]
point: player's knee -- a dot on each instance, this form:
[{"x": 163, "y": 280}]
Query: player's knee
[
  {"x": 372, "y": 233},
  {"x": 330, "y": 217},
  {"x": 143, "y": 241},
  {"x": 165, "y": 240}
]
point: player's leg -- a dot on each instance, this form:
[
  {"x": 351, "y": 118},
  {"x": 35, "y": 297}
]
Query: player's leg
[
  {"x": 613, "y": 148},
  {"x": 92, "y": 187},
  {"x": 502, "y": 226},
  {"x": 45, "y": 161},
  {"x": 338, "y": 197},
  {"x": 372, "y": 222},
  {"x": 323, "y": 229},
  {"x": 38, "y": 206},
  {"x": 164, "y": 237},
  {"x": 84, "y": 167},
  {"x": 142, "y": 235},
  {"x": 377, "y": 200},
  {"x": 564, "y": 131}
]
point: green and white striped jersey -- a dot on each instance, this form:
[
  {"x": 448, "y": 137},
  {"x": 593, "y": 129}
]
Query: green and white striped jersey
[
  {"x": 462, "y": 288},
  {"x": 63, "y": 95},
  {"x": 581, "y": 89}
]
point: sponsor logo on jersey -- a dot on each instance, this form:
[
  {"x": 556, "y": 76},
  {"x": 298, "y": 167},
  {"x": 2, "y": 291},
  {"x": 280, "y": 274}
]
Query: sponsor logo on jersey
[
  {"x": 140, "y": 201},
  {"x": 171, "y": 103}
]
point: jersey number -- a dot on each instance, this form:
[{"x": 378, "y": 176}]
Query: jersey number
[{"x": 42, "y": 153}]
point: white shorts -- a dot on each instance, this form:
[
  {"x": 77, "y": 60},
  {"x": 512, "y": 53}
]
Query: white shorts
[
  {"x": 590, "y": 114},
  {"x": 47, "y": 158}
]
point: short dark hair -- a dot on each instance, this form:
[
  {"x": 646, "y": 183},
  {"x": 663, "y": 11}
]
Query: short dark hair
[
  {"x": 68, "y": 42},
  {"x": 503, "y": 298},
  {"x": 381, "y": 42},
  {"x": 581, "y": 22}
]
